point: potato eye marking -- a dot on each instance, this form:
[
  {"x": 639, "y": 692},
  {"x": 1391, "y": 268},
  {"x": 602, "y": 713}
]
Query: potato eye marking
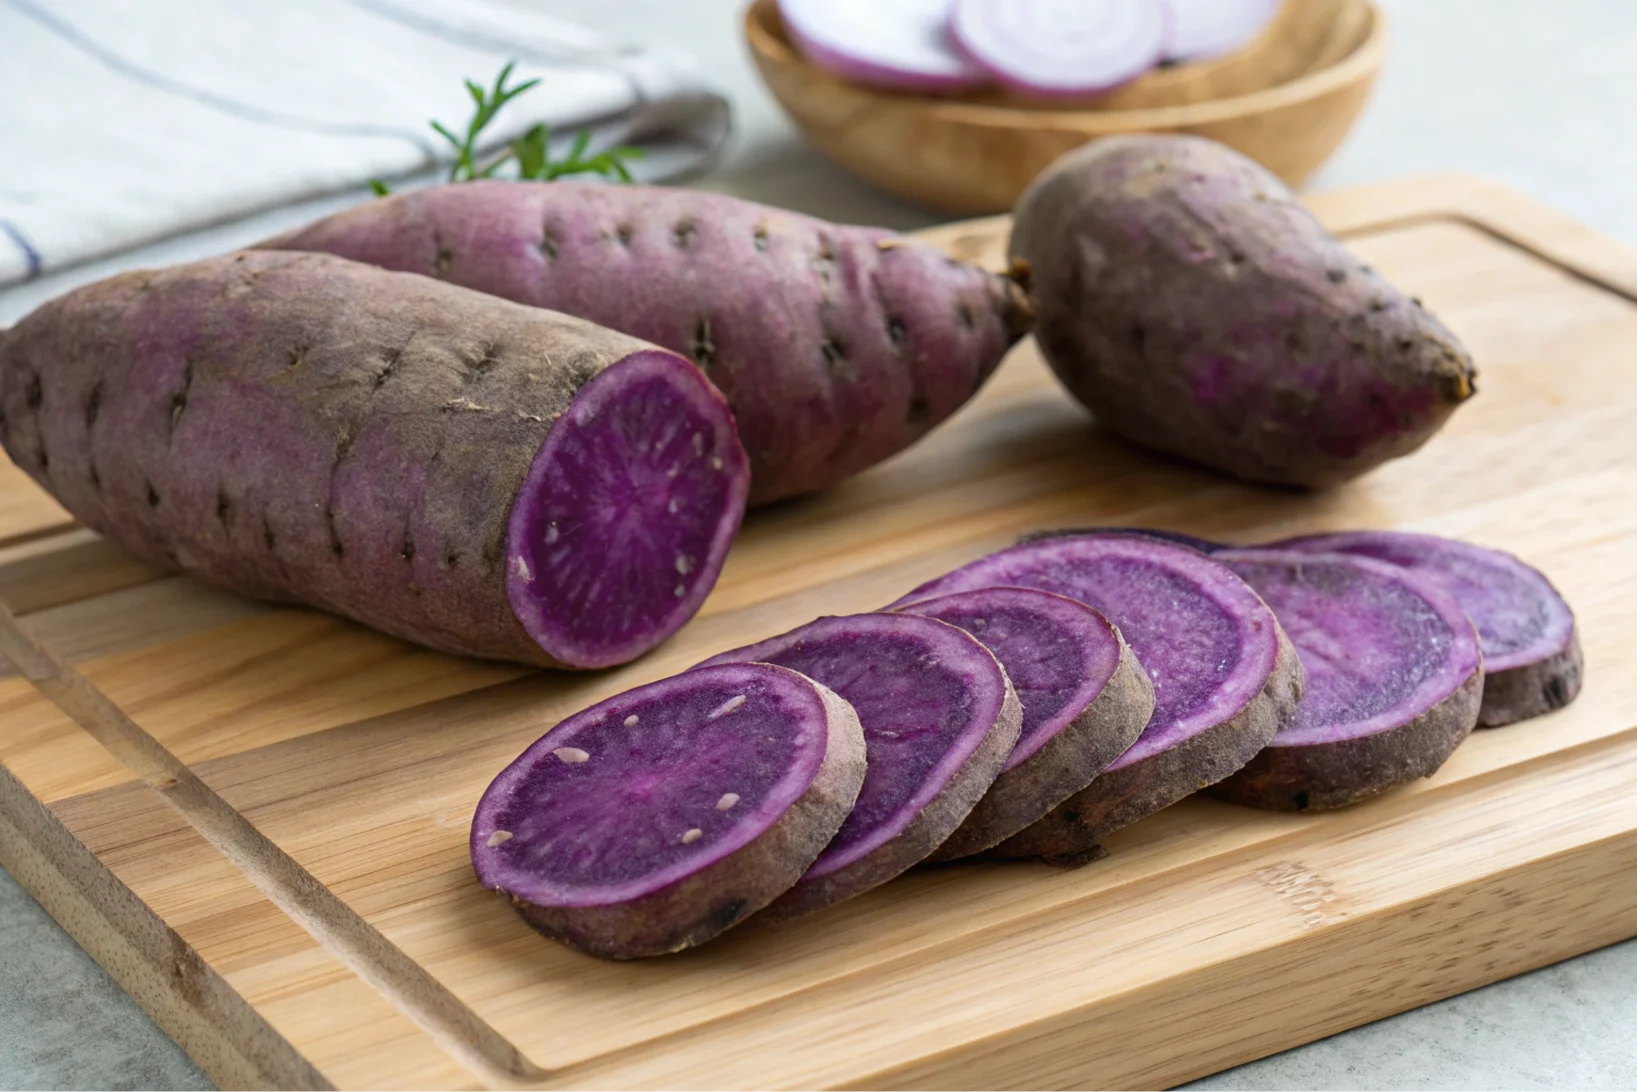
[
  {"x": 964, "y": 313},
  {"x": 728, "y": 800},
  {"x": 498, "y": 838},
  {"x": 1336, "y": 276},
  {"x": 702, "y": 348},
  {"x": 548, "y": 245},
  {"x": 570, "y": 755},
  {"x": 34, "y": 395},
  {"x": 153, "y": 496},
  {"x": 683, "y": 233},
  {"x": 93, "y": 405},
  {"x": 408, "y": 550},
  {"x": 896, "y": 333},
  {"x": 692, "y": 836},
  {"x": 224, "y": 508},
  {"x": 727, "y": 707},
  {"x": 623, "y": 234},
  {"x": 759, "y": 237},
  {"x": 919, "y": 411},
  {"x": 443, "y": 260},
  {"x": 684, "y": 564}
]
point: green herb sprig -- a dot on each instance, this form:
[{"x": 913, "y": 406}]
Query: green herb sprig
[{"x": 531, "y": 152}]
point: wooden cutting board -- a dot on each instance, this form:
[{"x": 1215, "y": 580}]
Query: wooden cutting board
[{"x": 255, "y": 817}]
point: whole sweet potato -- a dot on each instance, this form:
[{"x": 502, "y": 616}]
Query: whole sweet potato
[
  {"x": 1189, "y": 301},
  {"x": 468, "y": 473},
  {"x": 835, "y": 346}
]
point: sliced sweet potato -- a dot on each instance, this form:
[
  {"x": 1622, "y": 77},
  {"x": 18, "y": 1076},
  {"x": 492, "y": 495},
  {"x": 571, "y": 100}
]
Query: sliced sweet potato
[
  {"x": 1225, "y": 676},
  {"x": 940, "y": 719},
  {"x": 1085, "y": 701},
  {"x": 1393, "y": 679},
  {"x": 1532, "y": 658},
  {"x": 655, "y": 820}
]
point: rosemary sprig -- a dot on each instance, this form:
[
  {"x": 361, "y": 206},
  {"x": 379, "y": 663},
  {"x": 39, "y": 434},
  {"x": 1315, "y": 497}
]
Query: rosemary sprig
[{"x": 531, "y": 152}]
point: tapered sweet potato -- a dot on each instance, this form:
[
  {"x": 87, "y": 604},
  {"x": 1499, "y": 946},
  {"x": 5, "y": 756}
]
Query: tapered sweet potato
[
  {"x": 1532, "y": 658},
  {"x": 1192, "y": 304},
  {"x": 1393, "y": 679},
  {"x": 940, "y": 719},
  {"x": 1225, "y": 676},
  {"x": 656, "y": 819},
  {"x": 1085, "y": 701},
  {"x": 468, "y": 473},
  {"x": 835, "y": 346}
]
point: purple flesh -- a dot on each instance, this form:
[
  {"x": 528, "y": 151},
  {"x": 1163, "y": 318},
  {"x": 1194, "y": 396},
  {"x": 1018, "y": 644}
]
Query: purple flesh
[
  {"x": 616, "y": 534},
  {"x": 903, "y": 45},
  {"x": 927, "y": 695},
  {"x": 1058, "y": 653},
  {"x": 1378, "y": 646},
  {"x": 558, "y": 829},
  {"x": 1531, "y": 652},
  {"x": 1060, "y": 49},
  {"x": 1198, "y": 29},
  {"x": 1206, "y": 640}
]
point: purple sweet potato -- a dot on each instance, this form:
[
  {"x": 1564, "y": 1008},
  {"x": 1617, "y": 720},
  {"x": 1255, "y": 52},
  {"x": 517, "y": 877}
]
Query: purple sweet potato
[
  {"x": 940, "y": 719},
  {"x": 835, "y": 346},
  {"x": 475, "y": 475},
  {"x": 1194, "y": 306},
  {"x": 1085, "y": 701},
  {"x": 1532, "y": 659},
  {"x": 656, "y": 819},
  {"x": 1393, "y": 679},
  {"x": 1225, "y": 676}
]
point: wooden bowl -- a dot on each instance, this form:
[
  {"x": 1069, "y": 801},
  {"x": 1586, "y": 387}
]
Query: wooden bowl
[{"x": 1287, "y": 100}]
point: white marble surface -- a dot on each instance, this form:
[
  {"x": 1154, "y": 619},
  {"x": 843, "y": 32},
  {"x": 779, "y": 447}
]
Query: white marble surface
[{"x": 1534, "y": 93}]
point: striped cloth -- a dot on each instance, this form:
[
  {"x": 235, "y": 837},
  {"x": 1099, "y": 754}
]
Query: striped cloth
[{"x": 127, "y": 121}]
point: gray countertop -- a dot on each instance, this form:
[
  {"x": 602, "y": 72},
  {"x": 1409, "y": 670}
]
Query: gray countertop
[{"x": 1530, "y": 93}]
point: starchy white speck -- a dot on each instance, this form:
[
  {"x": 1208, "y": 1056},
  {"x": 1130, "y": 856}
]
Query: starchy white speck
[
  {"x": 727, "y": 707},
  {"x": 571, "y": 755}
]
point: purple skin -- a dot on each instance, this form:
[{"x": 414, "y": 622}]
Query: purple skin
[
  {"x": 655, "y": 820},
  {"x": 940, "y": 719},
  {"x": 1181, "y": 538},
  {"x": 835, "y": 346},
  {"x": 1532, "y": 658},
  {"x": 1394, "y": 679},
  {"x": 470, "y": 474},
  {"x": 1085, "y": 700},
  {"x": 1225, "y": 677},
  {"x": 1194, "y": 306}
]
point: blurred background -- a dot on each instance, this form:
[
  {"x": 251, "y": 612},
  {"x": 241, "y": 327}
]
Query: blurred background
[{"x": 1531, "y": 94}]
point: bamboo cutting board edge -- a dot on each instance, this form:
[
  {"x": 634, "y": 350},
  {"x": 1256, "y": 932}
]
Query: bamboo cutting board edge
[{"x": 205, "y": 1020}]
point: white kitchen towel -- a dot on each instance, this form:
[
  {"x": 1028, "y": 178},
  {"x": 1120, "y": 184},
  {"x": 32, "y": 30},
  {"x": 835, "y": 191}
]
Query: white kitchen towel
[{"x": 127, "y": 121}]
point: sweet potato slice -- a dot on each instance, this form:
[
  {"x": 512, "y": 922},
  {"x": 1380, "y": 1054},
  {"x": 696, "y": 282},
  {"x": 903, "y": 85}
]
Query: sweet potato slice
[
  {"x": 1085, "y": 701},
  {"x": 940, "y": 719},
  {"x": 655, "y": 820},
  {"x": 1225, "y": 676},
  {"x": 1532, "y": 658},
  {"x": 1393, "y": 680}
]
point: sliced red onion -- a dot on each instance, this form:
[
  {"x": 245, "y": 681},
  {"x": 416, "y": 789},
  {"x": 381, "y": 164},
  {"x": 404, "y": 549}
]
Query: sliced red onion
[
  {"x": 901, "y": 44},
  {"x": 1196, "y": 29},
  {"x": 1060, "y": 47}
]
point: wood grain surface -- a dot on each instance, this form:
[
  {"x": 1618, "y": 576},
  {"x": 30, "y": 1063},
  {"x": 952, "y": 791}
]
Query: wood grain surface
[{"x": 255, "y": 817}]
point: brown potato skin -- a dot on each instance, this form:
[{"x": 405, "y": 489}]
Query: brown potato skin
[
  {"x": 1121, "y": 797},
  {"x": 1187, "y": 299},
  {"x": 717, "y": 898},
  {"x": 1321, "y": 776},
  {"x": 1068, "y": 762},
  {"x": 1535, "y": 689}
]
